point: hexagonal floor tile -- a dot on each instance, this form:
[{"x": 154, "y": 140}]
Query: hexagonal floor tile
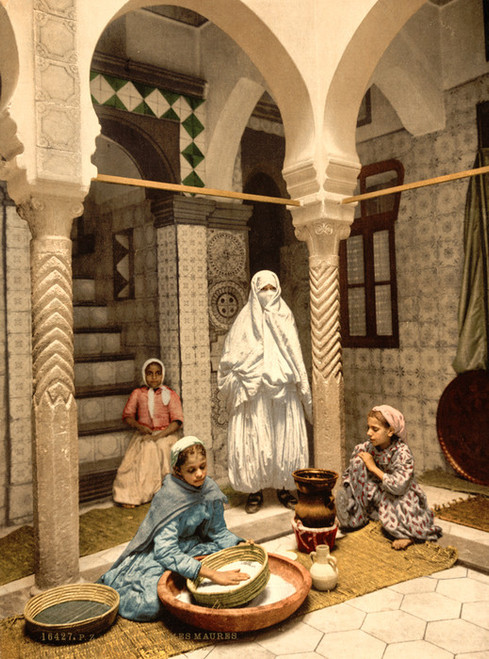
[
  {"x": 338, "y": 618},
  {"x": 416, "y": 650},
  {"x": 380, "y": 600},
  {"x": 475, "y": 613},
  {"x": 452, "y": 573},
  {"x": 464, "y": 590},
  {"x": 294, "y": 636},
  {"x": 394, "y": 626},
  {"x": 457, "y": 636},
  {"x": 356, "y": 644},
  {"x": 419, "y": 585},
  {"x": 431, "y": 606}
]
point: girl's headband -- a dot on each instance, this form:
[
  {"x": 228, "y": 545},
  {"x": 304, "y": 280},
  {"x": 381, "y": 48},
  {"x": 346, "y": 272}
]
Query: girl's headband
[{"x": 180, "y": 446}]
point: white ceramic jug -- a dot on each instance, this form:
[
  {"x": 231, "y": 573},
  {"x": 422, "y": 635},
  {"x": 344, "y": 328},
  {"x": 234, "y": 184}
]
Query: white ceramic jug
[{"x": 324, "y": 571}]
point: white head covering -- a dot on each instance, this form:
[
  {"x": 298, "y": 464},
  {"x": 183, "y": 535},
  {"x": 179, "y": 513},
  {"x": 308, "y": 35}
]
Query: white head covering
[
  {"x": 180, "y": 446},
  {"x": 262, "y": 349},
  {"x": 164, "y": 392},
  {"x": 394, "y": 418}
]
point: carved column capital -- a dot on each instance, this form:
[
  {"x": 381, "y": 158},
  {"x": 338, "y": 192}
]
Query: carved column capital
[
  {"x": 49, "y": 214},
  {"x": 322, "y": 224}
]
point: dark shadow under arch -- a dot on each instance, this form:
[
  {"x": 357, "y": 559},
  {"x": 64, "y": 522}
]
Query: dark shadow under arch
[{"x": 266, "y": 223}]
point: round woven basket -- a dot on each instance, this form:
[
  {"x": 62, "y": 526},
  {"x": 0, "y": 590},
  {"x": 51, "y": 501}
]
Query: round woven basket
[
  {"x": 242, "y": 593},
  {"x": 76, "y": 616}
]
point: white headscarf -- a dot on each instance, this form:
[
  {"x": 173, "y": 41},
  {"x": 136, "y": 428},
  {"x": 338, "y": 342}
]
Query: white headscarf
[
  {"x": 180, "y": 446},
  {"x": 164, "y": 392},
  {"x": 394, "y": 418},
  {"x": 262, "y": 348}
]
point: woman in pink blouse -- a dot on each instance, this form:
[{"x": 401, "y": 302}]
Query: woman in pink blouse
[{"x": 155, "y": 413}]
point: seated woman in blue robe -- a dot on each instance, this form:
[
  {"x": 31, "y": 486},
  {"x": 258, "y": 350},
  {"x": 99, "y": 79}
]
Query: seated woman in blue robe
[{"x": 186, "y": 519}]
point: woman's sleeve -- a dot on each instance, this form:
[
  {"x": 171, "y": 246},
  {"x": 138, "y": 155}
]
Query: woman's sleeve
[
  {"x": 398, "y": 481},
  {"x": 130, "y": 409},
  {"x": 218, "y": 532},
  {"x": 169, "y": 555}
]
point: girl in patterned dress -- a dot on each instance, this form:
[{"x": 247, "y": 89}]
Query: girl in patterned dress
[{"x": 379, "y": 484}]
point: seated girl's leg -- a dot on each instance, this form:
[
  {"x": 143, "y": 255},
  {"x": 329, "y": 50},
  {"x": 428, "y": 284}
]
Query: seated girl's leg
[
  {"x": 356, "y": 499},
  {"x": 164, "y": 449}
]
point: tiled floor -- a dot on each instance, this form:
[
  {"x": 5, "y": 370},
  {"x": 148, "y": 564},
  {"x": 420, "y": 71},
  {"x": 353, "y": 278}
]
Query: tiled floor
[{"x": 442, "y": 616}]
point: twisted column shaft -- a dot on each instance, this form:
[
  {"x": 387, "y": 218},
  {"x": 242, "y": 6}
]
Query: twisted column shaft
[{"x": 55, "y": 428}]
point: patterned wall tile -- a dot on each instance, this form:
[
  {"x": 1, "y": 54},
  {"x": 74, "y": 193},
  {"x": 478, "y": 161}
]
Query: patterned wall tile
[{"x": 429, "y": 250}]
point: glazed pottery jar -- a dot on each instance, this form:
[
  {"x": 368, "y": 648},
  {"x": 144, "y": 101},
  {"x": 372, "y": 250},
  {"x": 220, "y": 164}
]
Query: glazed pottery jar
[
  {"x": 316, "y": 507},
  {"x": 324, "y": 571}
]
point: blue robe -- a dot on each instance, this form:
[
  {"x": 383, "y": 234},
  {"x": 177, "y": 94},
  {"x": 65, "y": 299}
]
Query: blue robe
[{"x": 182, "y": 522}]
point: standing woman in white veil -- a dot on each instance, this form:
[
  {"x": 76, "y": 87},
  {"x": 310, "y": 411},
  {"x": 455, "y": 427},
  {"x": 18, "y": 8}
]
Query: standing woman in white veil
[{"x": 264, "y": 383}]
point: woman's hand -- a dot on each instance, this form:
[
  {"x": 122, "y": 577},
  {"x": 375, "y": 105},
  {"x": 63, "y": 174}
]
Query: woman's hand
[
  {"x": 229, "y": 577},
  {"x": 224, "y": 578}
]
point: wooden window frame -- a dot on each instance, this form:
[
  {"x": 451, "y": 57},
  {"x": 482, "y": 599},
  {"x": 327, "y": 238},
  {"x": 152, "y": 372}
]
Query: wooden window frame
[{"x": 367, "y": 225}]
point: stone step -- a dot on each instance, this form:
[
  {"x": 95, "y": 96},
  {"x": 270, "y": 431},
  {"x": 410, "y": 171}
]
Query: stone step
[
  {"x": 83, "y": 290},
  {"x": 110, "y": 445},
  {"x": 90, "y": 315},
  {"x": 95, "y": 370},
  {"x": 102, "y": 404},
  {"x": 97, "y": 340}
]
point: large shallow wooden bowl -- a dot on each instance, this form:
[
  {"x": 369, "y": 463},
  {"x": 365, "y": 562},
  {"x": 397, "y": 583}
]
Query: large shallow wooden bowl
[{"x": 243, "y": 619}]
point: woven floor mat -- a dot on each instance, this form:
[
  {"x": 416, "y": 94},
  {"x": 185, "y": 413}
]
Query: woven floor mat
[
  {"x": 473, "y": 512},
  {"x": 366, "y": 562}
]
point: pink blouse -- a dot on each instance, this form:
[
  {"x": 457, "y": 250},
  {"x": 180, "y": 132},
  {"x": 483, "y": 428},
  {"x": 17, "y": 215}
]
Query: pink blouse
[{"x": 137, "y": 408}]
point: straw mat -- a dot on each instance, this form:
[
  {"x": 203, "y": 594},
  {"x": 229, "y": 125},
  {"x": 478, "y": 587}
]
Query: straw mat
[
  {"x": 473, "y": 512},
  {"x": 100, "y": 528},
  {"x": 439, "y": 478},
  {"x": 366, "y": 562}
]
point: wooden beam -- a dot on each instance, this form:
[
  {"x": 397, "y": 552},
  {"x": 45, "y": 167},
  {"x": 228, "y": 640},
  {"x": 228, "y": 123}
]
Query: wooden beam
[
  {"x": 417, "y": 184},
  {"x": 177, "y": 187}
]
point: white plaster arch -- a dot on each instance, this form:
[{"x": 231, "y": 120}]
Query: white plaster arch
[
  {"x": 9, "y": 59},
  {"x": 274, "y": 62},
  {"x": 9, "y": 73},
  {"x": 224, "y": 144},
  {"x": 412, "y": 87},
  {"x": 350, "y": 81}
]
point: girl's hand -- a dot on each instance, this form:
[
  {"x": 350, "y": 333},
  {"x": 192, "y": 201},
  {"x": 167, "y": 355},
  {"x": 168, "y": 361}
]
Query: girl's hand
[
  {"x": 144, "y": 430},
  {"x": 368, "y": 459},
  {"x": 229, "y": 577}
]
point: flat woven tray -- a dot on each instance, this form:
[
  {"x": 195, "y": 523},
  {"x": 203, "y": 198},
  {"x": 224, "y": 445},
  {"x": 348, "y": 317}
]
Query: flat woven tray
[
  {"x": 71, "y": 614},
  {"x": 242, "y": 593}
]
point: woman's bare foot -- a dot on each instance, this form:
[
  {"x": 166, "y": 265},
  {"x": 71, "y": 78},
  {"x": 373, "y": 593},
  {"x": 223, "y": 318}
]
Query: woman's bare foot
[
  {"x": 127, "y": 505},
  {"x": 401, "y": 543}
]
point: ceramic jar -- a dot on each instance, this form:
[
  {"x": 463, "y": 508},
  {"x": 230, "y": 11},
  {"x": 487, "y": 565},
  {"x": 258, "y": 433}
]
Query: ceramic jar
[
  {"x": 315, "y": 507},
  {"x": 324, "y": 571}
]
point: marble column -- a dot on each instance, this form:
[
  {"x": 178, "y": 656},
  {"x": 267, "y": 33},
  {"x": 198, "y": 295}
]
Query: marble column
[
  {"x": 55, "y": 432},
  {"x": 322, "y": 226}
]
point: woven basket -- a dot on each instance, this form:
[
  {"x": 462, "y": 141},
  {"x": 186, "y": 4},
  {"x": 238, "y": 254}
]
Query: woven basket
[
  {"x": 242, "y": 593},
  {"x": 62, "y": 629}
]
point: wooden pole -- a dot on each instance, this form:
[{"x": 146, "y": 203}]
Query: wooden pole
[
  {"x": 417, "y": 184},
  {"x": 177, "y": 187}
]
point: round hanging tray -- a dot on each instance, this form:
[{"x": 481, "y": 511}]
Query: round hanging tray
[
  {"x": 462, "y": 423},
  {"x": 243, "y": 619},
  {"x": 71, "y": 614}
]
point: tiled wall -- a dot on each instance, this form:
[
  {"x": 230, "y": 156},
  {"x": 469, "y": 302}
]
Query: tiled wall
[
  {"x": 429, "y": 254},
  {"x": 138, "y": 317}
]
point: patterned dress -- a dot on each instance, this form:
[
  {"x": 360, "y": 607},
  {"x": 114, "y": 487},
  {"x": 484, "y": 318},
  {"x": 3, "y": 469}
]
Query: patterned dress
[{"x": 396, "y": 500}]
